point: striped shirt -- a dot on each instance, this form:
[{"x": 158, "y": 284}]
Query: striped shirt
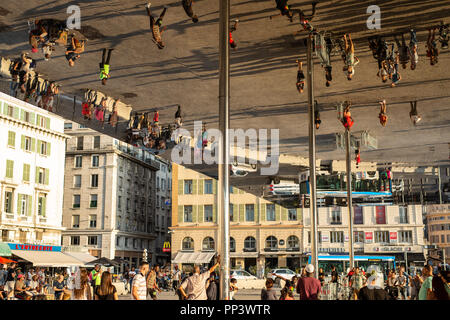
[{"x": 141, "y": 286}]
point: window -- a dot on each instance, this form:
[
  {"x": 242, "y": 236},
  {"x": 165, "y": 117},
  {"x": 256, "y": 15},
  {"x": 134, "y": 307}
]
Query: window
[
  {"x": 380, "y": 214},
  {"x": 382, "y": 236},
  {"x": 405, "y": 236},
  {"x": 80, "y": 142},
  {"x": 208, "y": 186},
  {"x": 208, "y": 244},
  {"x": 23, "y": 204},
  {"x": 249, "y": 212},
  {"x": 293, "y": 242},
  {"x": 232, "y": 245},
  {"x": 9, "y": 169},
  {"x": 188, "y": 244},
  {"x": 117, "y": 241},
  {"x": 337, "y": 236},
  {"x": 231, "y": 212},
  {"x": 82, "y": 126},
  {"x": 75, "y": 221},
  {"x": 250, "y": 244},
  {"x": 208, "y": 213},
  {"x": 96, "y": 142},
  {"x": 95, "y": 161},
  {"x": 94, "y": 180},
  {"x": 163, "y": 184},
  {"x": 126, "y": 242},
  {"x": 26, "y": 172},
  {"x": 75, "y": 240},
  {"x": 11, "y": 139},
  {"x": 77, "y": 181},
  {"x": 9, "y": 201},
  {"x": 92, "y": 240},
  {"x": 26, "y": 116},
  {"x": 42, "y": 202},
  {"x": 76, "y": 201},
  {"x": 336, "y": 215},
  {"x": 292, "y": 214},
  {"x": 187, "y": 213},
  {"x": 67, "y": 126},
  {"x": 78, "y": 161},
  {"x": 319, "y": 236},
  {"x": 270, "y": 212},
  {"x": 43, "y": 148},
  {"x": 358, "y": 215},
  {"x": 271, "y": 242},
  {"x": 187, "y": 186},
  {"x": 403, "y": 212},
  {"x": 41, "y": 175},
  {"x": 27, "y": 143},
  {"x": 119, "y": 202},
  {"x": 10, "y": 111},
  {"x": 359, "y": 236},
  {"x": 93, "y": 203}
]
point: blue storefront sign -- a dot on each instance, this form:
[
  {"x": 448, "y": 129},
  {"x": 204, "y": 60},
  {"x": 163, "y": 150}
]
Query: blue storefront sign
[{"x": 34, "y": 247}]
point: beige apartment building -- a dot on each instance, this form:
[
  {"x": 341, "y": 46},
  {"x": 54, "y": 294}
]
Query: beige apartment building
[
  {"x": 263, "y": 234},
  {"x": 109, "y": 197},
  {"x": 438, "y": 225}
]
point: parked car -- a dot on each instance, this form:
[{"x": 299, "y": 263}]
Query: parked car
[
  {"x": 242, "y": 275},
  {"x": 241, "y": 169},
  {"x": 285, "y": 273}
]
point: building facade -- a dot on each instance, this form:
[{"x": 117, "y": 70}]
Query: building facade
[
  {"x": 378, "y": 230},
  {"x": 163, "y": 212},
  {"x": 263, "y": 235},
  {"x": 109, "y": 197},
  {"x": 438, "y": 226},
  {"x": 32, "y": 148}
]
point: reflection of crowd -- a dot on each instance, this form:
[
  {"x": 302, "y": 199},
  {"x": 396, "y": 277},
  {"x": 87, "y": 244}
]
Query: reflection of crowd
[{"x": 143, "y": 131}]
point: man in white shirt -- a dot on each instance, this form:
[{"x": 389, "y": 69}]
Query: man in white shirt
[
  {"x": 139, "y": 287},
  {"x": 194, "y": 287},
  {"x": 176, "y": 278}
]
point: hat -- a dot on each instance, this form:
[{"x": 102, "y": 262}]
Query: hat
[
  {"x": 309, "y": 268},
  {"x": 20, "y": 276}
]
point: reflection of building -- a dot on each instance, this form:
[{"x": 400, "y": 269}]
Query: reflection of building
[
  {"x": 109, "y": 196},
  {"x": 378, "y": 230},
  {"x": 438, "y": 226},
  {"x": 32, "y": 146},
  {"x": 163, "y": 209},
  {"x": 262, "y": 233}
]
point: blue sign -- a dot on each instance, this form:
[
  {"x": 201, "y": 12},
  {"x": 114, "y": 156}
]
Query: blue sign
[{"x": 34, "y": 247}]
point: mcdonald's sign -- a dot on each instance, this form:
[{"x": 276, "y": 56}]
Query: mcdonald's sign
[{"x": 166, "y": 246}]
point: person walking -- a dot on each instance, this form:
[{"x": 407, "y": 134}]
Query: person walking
[
  {"x": 403, "y": 51},
  {"x": 82, "y": 289},
  {"x": 350, "y": 60},
  {"x": 268, "y": 293},
  {"x": 396, "y": 77},
  {"x": 323, "y": 52},
  {"x": 413, "y": 44},
  {"x": 187, "y": 6},
  {"x": 73, "y": 51},
  {"x": 211, "y": 288},
  {"x": 357, "y": 281},
  {"x": 194, "y": 287},
  {"x": 104, "y": 66},
  {"x": 317, "y": 120},
  {"x": 382, "y": 115},
  {"x": 415, "y": 284},
  {"x": 176, "y": 278},
  {"x": 444, "y": 35},
  {"x": 426, "y": 281},
  {"x": 358, "y": 157},
  {"x": 152, "y": 285},
  {"x": 106, "y": 290},
  {"x": 309, "y": 287},
  {"x": 139, "y": 287},
  {"x": 440, "y": 288},
  {"x": 96, "y": 277},
  {"x": 155, "y": 26},
  {"x": 413, "y": 114},
  {"x": 233, "y": 28},
  {"x": 233, "y": 288},
  {"x": 300, "y": 84},
  {"x": 283, "y": 6},
  {"x": 347, "y": 120},
  {"x": 10, "y": 280},
  {"x": 432, "y": 49},
  {"x": 400, "y": 282}
]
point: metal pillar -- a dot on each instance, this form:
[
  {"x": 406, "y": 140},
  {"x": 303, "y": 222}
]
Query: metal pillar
[
  {"x": 223, "y": 192},
  {"x": 312, "y": 161},
  {"x": 349, "y": 198}
]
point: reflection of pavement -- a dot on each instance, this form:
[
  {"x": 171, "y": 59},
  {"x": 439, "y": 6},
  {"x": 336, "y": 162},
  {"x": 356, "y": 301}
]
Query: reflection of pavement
[{"x": 250, "y": 294}]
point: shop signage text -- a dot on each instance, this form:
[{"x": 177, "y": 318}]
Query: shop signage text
[{"x": 33, "y": 247}]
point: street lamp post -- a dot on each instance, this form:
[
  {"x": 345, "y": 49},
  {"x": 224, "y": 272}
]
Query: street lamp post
[
  {"x": 312, "y": 160},
  {"x": 223, "y": 192},
  {"x": 349, "y": 197}
]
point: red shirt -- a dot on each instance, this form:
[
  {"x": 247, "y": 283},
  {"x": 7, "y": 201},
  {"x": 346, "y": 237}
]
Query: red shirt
[
  {"x": 358, "y": 158},
  {"x": 348, "y": 122},
  {"x": 85, "y": 109},
  {"x": 156, "y": 117},
  {"x": 231, "y": 38},
  {"x": 309, "y": 288}
]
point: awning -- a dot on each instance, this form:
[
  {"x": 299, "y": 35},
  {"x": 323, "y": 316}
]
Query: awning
[
  {"x": 5, "y": 251},
  {"x": 193, "y": 257},
  {"x": 47, "y": 259},
  {"x": 244, "y": 254},
  {"x": 85, "y": 258}
]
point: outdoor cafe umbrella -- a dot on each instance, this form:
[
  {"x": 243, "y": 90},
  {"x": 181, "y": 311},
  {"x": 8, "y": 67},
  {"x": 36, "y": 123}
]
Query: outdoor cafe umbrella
[
  {"x": 119, "y": 260},
  {"x": 104, "y": 262},
  {"x": 4, "y": 261}
]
